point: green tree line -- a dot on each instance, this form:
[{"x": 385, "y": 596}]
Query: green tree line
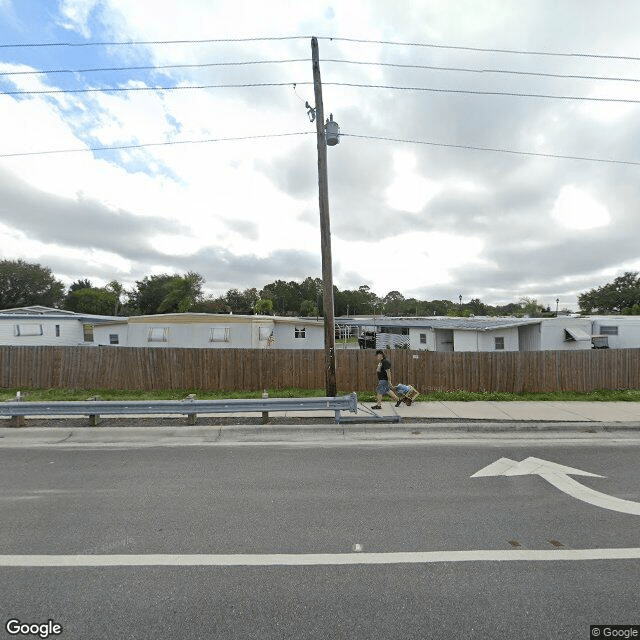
[{"x": 27, "y": 284}]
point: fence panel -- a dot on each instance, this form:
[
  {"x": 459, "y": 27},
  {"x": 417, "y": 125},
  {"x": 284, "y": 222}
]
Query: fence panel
[{"x": 86, "y": 367}]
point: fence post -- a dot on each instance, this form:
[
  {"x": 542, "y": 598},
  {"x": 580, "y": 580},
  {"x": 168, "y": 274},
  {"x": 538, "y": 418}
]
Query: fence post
[{"x": 17, "y": 421}]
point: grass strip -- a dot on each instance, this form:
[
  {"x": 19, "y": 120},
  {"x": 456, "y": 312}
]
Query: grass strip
[{"x": 52, "y": 395}]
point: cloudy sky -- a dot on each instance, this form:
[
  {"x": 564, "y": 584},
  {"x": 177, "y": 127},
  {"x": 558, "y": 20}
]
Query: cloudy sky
[{"x": 418, "y": 202}]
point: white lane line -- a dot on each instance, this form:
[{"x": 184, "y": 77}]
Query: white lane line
[{"x": 278, "y": 559}]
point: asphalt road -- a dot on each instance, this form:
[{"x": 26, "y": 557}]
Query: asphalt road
[{"x": 319, "y": 503}]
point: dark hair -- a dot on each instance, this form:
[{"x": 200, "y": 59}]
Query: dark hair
[{"x": 379, "y": 351}]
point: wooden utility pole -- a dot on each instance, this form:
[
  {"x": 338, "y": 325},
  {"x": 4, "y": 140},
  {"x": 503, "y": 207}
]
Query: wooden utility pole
[{"x": 325, "y": 231}]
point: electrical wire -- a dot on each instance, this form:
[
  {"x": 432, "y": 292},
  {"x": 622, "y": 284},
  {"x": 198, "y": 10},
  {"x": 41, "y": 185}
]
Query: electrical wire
[
  {"x": 539, "y": 74},
  {"x": 430, "y": 143},
  {"x": 155, "y": 144},
  {"x": 574, "y": 54},
  {"x": 483, "y": 49},
  {"x": 480, "y": 71},
  {"x": 26, "y": 45},
  {"x": 511, "y": 94},
  {"x": 492, "y": 149},
  {"x": 125, "y": 89},
  {"x": 153, "y": 67}
]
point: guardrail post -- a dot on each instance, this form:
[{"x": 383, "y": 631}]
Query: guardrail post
[
  {"x": 192, "y": 418},
  {"x": 94, "y": 418},
  {"x": 17, "y": 421},
  {"x": 265, "y": 414}
]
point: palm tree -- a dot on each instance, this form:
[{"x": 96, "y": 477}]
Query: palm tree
[{"x": 117, "y": 289}]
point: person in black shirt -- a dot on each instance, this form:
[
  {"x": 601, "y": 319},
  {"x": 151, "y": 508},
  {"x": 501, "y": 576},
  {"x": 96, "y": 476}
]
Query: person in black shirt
[{"x": 384, "y": 380}]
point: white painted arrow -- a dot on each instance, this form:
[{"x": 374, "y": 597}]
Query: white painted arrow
[{"x": 558, "y": 476}]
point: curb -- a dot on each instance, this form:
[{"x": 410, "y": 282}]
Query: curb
[{"x": 180, "y": 434}]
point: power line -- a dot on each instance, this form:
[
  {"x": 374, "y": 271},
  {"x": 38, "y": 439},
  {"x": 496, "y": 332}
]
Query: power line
[
  {"x": 153, "y": 67},
  {"x": 26, "y": 45},
  {"x": 154, "y": 144},
  {"x": 563, "y": 76},
  {"x": 430, "y": 143},
  {"x": 575, "y": 54},
  {"x": 512, "y": 94},
  {"x": 175, "y": 88},
  {"x": 484, "y": 49},
  {"x": 492, "y": 149},
  {"x": 488, "y": 70}
]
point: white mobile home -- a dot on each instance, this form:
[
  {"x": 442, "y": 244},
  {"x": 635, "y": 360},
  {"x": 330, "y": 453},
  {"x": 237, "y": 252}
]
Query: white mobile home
[
  {"x": 591, "y": 332},
  {"x": 502, "y": 334},
  {"x": 616, "y": 332},
  {"x": 453, "y": 334},
  {"x": 43, "y": 326},
  {"x": 477, "y": 334},
  {"x": 212, "y": 331},
  {"x": 566, "y": 333}
]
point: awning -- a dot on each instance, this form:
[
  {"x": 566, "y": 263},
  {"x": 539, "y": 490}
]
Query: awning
[{"x": 576, "y": 334}]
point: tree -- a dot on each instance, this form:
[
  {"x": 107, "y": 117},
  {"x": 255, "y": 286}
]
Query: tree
[
  {"x": 185, "y": 291},
  {"x": 166, "y": 293},
  {"x": 618, "y": 296},
  {"x": 23, "y": 284},
  {"x": 242, "y": 301},
  {"x": 478, "y": 308},
  {"x": 393, "y": 303},
  {"x": 308, "y": 309},
  {"x": 80, "y": 284},
  {"x": 93, "y": 300},
  {"x": 285, "y": 295},
  {"x": 264, "y": 307},
  {"x": 211, "y": 305},
  {"x": 118, "y": 290},
  {"x": 311, "y": 289},
  {"x": 531, "y": 308}
]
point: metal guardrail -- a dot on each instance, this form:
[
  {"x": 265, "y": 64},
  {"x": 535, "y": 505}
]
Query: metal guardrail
[{"x": 189, "y": 407}]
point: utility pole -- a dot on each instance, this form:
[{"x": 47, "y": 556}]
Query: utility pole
[{"x": 325, "y": 230}]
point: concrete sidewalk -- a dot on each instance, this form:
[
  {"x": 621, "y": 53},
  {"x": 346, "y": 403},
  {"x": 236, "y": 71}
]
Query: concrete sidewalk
[{"x": 541, "y": 411}]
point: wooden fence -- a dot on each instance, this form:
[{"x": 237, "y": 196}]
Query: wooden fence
[{"x": 85, "y": 367}]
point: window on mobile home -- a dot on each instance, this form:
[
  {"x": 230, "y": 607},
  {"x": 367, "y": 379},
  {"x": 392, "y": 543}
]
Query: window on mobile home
[
  {"x": 158, "y": 334},
  {"x": 608, "y": 330},
  {"x": 29, "y": 330},
  {"x": 219, "y": 334}
]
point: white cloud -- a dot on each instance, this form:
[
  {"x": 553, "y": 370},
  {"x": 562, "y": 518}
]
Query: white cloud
[
  {"x": 75, "y": 15},
  {"x": 576, "y": 209}
]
